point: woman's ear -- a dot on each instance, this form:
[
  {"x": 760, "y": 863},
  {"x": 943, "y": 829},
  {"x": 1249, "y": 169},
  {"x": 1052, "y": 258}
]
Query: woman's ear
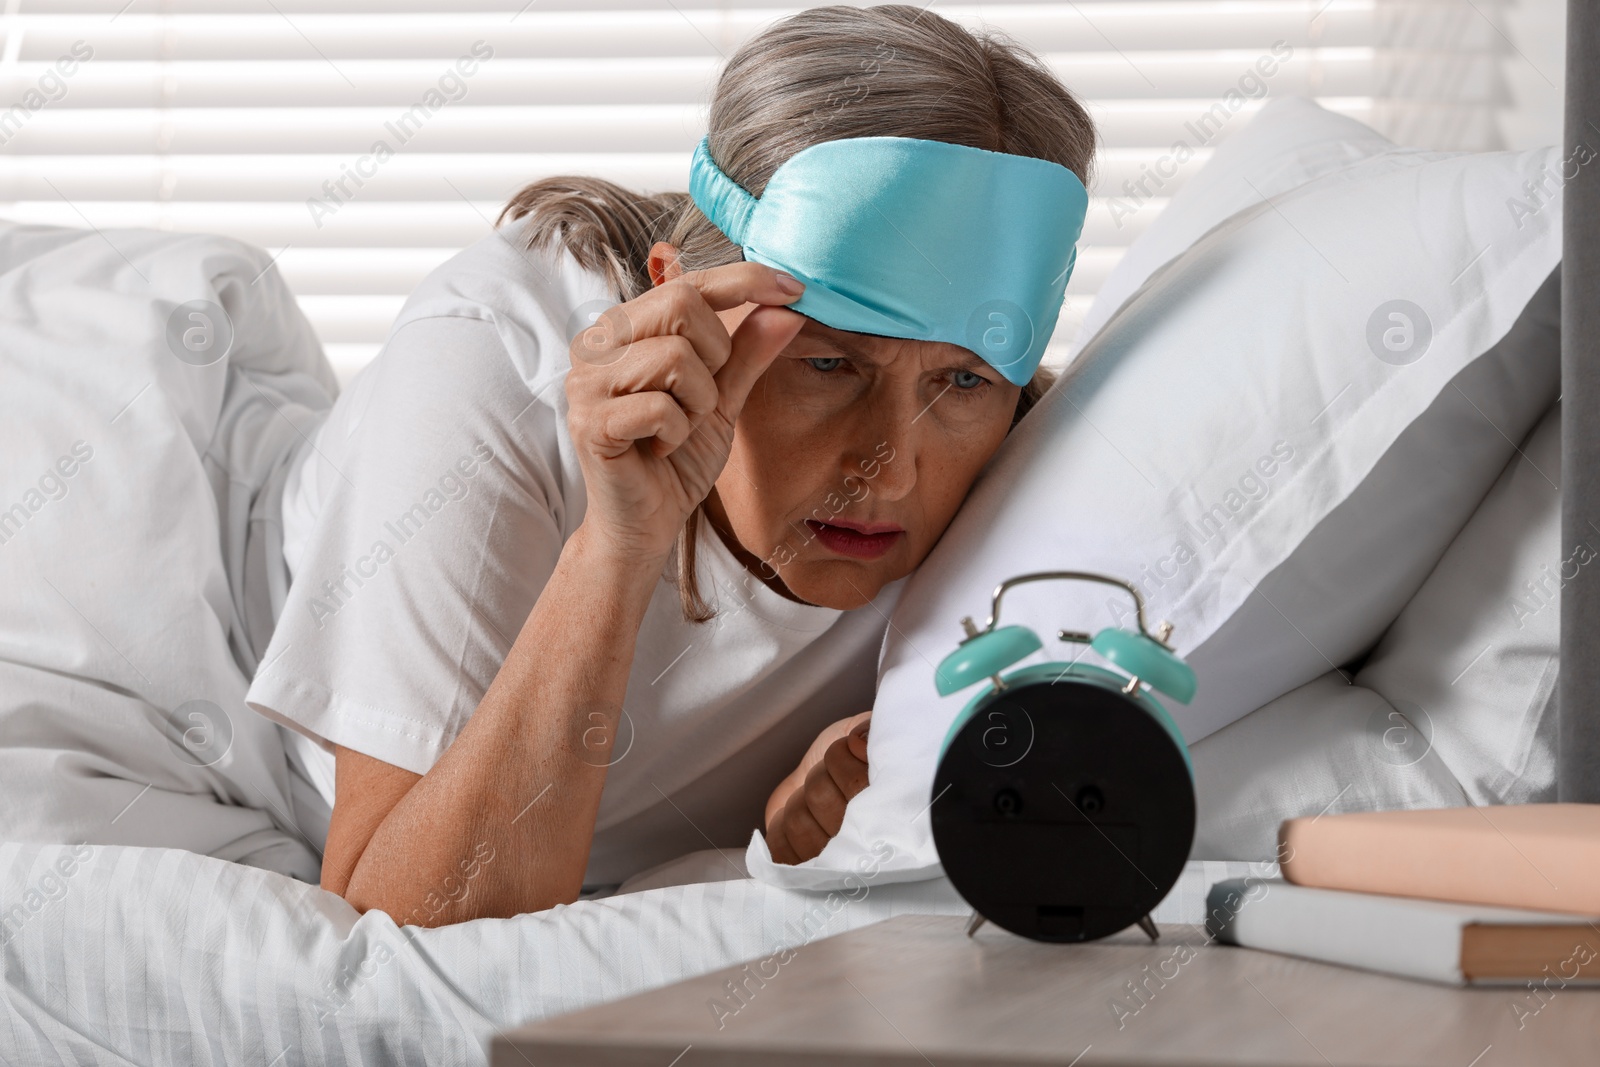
[{"x": 663, "y": 263}]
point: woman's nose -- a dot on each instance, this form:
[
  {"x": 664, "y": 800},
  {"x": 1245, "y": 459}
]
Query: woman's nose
[
  {"x": 888, "y": 469},
  {"x": 891, "y": 425}
]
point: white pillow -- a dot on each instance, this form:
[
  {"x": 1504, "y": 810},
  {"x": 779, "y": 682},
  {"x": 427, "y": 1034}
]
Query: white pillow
[
  {"x": 1455, "y": 706},
  {"x": 1476, "y": 652},
  {"x": 1210, "y": 430},
  {"x": 1287, "y": 143},
  {"x": 1356, "y": 569},
  {"x": 1326, "y": 746}
]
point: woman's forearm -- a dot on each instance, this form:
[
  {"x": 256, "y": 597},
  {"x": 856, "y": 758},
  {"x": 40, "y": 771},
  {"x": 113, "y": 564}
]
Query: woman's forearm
[{"x": 503, "y": 822}]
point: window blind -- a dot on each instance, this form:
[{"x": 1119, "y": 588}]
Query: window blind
[{"x": 363, "y": 142}]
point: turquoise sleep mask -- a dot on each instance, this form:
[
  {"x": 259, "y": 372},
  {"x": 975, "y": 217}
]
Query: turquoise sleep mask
[{"x": 904, "y": 237}]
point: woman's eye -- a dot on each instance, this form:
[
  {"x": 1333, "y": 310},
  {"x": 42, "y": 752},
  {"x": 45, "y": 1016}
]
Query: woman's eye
[
  {"x": 825, "y": 364},
  {"x": 965, "y": 379}
]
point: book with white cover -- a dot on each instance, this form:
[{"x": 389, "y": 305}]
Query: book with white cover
[{"x": 1460, "y": 944}]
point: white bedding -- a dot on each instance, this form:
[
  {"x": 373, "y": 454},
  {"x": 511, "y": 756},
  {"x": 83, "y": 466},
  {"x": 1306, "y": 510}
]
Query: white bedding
[
  {"x": 137, "y": 582},
  {"x": 162, "y": 956}
]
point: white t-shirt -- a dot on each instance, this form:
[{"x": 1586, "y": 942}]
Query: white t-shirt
[{"x": 426, "y": 518}]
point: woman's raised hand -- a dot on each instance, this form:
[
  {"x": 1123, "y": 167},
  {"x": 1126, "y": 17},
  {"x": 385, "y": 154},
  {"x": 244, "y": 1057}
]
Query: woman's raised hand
[
  {"x": 655, "y": 388},
  {"x": 806, "y": 811}
]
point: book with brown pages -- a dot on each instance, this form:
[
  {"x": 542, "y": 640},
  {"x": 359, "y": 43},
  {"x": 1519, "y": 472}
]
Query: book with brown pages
[
  {"x": 1540, "y": 856},
  {"x": 1463, "y": 944}
]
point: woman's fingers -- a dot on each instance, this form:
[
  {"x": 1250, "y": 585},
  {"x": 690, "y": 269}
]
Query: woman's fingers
[
  {"x": 645, "y": 372},
  {"x": 674, "y": 309},
  {"x": 758, "y": 340},
  {"x": 778, "y": 845},
  {"x": 670, "y": 340},
  {"x": 814, "y": 812},
  {"x": 805, "y": 834},
  {"x": 664, "y": 369},
  {"x": 830, "y": 785},
  {"x": 669, "y": 365},
  {"x": 746, "y": 282},
  {"x": 858, "y": 737},
  {"x": 847, "y": 770},
  {"x": 637, "y": 416},
  {"x": 686, "y": 307},
  {"x": 825, "y": 798}
]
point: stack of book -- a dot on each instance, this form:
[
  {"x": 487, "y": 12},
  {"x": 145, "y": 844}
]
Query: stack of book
[{"x": 1492, "y": 895}]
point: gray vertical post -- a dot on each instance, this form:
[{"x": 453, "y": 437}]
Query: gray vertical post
[{"x": 1578, "y": 763}]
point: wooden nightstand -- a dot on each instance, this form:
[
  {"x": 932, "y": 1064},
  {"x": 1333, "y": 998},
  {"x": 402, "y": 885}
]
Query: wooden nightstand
[{"x": 914, "y": 990}]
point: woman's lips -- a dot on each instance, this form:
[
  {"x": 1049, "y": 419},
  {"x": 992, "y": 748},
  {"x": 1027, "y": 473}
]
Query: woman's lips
[{"x": 855, "y": 543}]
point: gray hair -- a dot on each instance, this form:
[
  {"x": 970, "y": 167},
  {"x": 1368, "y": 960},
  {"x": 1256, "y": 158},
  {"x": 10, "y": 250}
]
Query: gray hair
[{"x": 821, "y": 74}]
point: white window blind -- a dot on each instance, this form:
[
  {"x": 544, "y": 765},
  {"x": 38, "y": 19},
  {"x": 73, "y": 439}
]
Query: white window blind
[{"x": 263, "y": 119}]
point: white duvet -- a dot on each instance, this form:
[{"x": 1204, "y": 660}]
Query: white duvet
[{"x": 135, "y": 585}]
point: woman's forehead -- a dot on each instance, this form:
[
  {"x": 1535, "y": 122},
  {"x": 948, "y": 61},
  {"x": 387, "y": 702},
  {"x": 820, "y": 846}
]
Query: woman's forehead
[{"x": 874, "y": 348}]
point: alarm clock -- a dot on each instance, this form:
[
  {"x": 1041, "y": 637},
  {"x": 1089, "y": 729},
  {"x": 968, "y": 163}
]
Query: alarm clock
[{"x": 1063, "y": 804}]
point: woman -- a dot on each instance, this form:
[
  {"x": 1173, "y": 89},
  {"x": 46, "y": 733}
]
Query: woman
[{"x": 569, "y": 600}]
